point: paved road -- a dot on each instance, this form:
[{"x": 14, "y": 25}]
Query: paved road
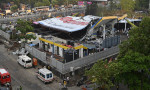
[
  {"x": 63, "y": 13},
  {"x": 20, "y": 76},
  {"x": 24, "y": 77}
]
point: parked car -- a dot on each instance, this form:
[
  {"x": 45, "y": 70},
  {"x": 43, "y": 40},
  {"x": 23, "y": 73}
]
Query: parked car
[
  {"x": 22, "y": 13},
  {"x": 25, "y": 61},
  {"x": 5, "y": 78},
  {"x": 15, "y": 14}
]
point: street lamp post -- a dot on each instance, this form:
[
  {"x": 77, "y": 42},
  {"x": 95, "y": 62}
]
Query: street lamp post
[
  {"x": 149, "y": 4},
  {"x": 67, "y": 8}
]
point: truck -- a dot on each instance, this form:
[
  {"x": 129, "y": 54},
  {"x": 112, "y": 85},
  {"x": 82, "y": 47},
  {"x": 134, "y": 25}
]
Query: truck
[
  {"x": 45, "y": 75},
  {"x": 5, "y": 78}
]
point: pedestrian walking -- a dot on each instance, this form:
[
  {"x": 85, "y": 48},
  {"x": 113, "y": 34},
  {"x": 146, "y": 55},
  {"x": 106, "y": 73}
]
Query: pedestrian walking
[
  {"x": 68, "y": 80},
  {"x": 60, "y": 85},
  {"x": 65, "y": 83}
]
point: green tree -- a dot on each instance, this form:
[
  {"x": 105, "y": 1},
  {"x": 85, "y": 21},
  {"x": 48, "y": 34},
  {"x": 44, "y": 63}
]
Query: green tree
[
  {"x": 46, "y": 2},
  {"x": 102, "y": 73},
  {"x": 142, "y": 4},
  {"x": 92, "y": 9},
  {"x": 134, "y": 56},
  {"x": 42, "y": 3},
  {"x": 24, "y": 27},
  {"x": 127, "y": 5},
  {"x": 14, "y": 8},
  {"x": 113, "y": 5},
  {"x": 133, "y": 62},
  {"x": 38, "y": 4},
  {"x": 54, "y": 2}
]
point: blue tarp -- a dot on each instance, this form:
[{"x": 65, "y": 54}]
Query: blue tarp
[
  {"x": 31, "y": 45},
  {"x": 89, "y": 46}
]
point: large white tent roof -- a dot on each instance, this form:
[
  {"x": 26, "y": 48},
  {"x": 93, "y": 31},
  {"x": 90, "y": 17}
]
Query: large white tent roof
[
  {"x": 69, "y": 23},
  {"x": 131, "y": 20}
]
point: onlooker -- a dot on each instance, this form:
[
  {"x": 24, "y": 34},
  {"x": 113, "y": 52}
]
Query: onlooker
[
  {"x": 68, "y": 80},
  {"x": 65, "y": 83},
  {"x": 60, "y": 85}
]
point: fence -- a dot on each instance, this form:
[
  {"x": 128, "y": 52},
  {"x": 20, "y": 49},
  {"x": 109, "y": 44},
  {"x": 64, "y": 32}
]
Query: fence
[
  {"x": 5, "y": 35},
  {"x": 82, "y": 62},
  {"x": 36, "y": 53}
]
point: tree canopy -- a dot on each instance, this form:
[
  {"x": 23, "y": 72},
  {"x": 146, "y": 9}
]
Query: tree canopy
[
  {"x": 14, "y": 8},
  {"x": 127, "y": 5},
  {"x": 24, "y": 27},
  {"x": 42, "y": 3},
  {"x": 102, "y": 73},
  {"x": 133, "y": 62},
  {"x": 142, "y": 4}
]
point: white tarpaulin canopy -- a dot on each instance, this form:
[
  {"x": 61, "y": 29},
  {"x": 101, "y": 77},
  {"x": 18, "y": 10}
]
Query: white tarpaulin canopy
[
  {"x": 69, "y": 23},
  {"x": 131, "y": 20}
]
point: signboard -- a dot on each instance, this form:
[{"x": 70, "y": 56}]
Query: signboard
[
  {"x": 69, "y": 23},
  {"x": 89, "y": 2},
  {"x": 80, "y": 3}
]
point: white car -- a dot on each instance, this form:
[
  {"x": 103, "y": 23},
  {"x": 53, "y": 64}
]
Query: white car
[
  {"x": 23, "y": 13},
  {"x": 15, "y": 14},
  {"x": 25, "y": 61}
]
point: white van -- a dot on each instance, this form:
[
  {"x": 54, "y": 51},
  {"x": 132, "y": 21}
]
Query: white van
[
  {"x": 45, "y": 75},
  {"x": 25, "y": 61}
]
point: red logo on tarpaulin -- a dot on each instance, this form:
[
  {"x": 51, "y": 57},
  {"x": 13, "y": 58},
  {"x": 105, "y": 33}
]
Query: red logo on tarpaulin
[
  {"x": 80, "y": 2},
  {"x": 89, "y": 2},
  {"x": 71, "y": 21}
]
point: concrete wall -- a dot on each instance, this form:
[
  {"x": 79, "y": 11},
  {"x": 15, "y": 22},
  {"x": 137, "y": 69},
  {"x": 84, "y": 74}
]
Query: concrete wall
[
  {"x": 5, "y": 35},
  {"x": 82, "y": 62},
  {"x": 36, "y": 53}
]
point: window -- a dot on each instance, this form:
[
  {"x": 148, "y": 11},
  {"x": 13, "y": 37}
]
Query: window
[
  {"x": 28, "y": 61},
  {"x": 4, "y": 77},
  {"x": 7, "y": 76},
  {"x": 48, "y": 75},
  {"x": 23, "y": 61},
  {"x": 43, "y": 76}
]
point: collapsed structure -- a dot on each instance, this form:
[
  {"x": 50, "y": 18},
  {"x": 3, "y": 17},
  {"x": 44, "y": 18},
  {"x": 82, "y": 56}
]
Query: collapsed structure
[
  {"x": 67, "y": 39},
  {"x": 76, "y": 37}
]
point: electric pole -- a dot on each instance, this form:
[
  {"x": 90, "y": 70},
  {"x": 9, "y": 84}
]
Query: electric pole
[{"x": 149, "y": 4}]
